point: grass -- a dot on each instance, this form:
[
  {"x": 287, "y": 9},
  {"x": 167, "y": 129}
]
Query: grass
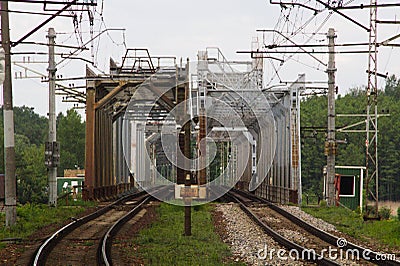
[
  {"x": 32, "y": 217},
  {"x": 88, "y": 243},
  {"x": 386, "y": 232},
  {"x": 164, "y": 244},
  {"x": 392, "y": 205}
]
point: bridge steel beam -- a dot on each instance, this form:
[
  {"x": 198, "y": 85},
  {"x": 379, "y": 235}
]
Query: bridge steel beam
[
  {"x": 90, "y": 140},
  {"x": 101, "y": 175}
]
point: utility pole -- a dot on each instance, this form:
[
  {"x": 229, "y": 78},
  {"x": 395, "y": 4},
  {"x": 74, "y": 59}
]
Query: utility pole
[
  {"x": 52, "y": 150},
  {"x": 187, "y": 152},
  {"x": 330, "y": 144},
  {"x": 8, "y": 114},
  {"x": 371, "y": 141},
  {"x": 188, "y": 207}
]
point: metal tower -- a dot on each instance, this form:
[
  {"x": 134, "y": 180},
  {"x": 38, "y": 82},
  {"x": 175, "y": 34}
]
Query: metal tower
[{"x": 371, "y": 142}]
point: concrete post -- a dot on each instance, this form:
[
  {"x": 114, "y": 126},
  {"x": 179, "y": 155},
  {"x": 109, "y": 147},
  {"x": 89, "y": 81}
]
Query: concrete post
[
  {"x": 52, "y": 118},
  {"x": 8, "y": 113},
  {"x": 330, "y": 145}
]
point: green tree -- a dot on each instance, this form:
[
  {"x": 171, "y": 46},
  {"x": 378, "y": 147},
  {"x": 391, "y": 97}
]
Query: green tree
[
  {"x": 71, "y": 135},
  {"x": 313, "y": 116},
  {"x": 313, "y": 123},
  {"x": 30, "y": 124},
  {"x": 392, "y": 87},
  {"x": 32, "y": 175},
  {"x": 30, "y": 171},
  {"x": 389, "y": 147},
  {"x": 353, "y": 151}
]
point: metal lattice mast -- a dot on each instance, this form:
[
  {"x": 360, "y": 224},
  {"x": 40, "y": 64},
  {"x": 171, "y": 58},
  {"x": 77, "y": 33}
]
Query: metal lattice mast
[{"x": 371, "y": 142}]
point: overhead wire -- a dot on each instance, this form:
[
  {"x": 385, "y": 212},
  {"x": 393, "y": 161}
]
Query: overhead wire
[
  {"x": 78, "y": 21},
  {"x": 76, "y": 26},
  {"x": 390, "y": 54},
  {"x": 307, "y": 65},
  {"x": 98, "y": 40},
  {"x": 283, "y": 23},
  {"x": 295, "y": 31},
  {"x": 67, "y": 38},
  {"x": 102, "y": 8},
  {"x": 276, "y": 71}
]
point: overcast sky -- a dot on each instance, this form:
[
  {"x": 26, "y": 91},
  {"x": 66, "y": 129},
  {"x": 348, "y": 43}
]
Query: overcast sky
[{"x": 181, "y": 28}]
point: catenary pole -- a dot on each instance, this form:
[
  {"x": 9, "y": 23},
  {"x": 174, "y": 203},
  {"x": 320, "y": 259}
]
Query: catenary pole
[
  {"x": 330, "y": 146},
  {"x": 52, "y": 120},
  {"x": 8, "y": 114}
]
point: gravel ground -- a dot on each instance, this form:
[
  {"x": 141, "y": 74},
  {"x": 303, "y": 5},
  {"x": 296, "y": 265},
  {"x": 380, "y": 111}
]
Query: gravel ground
[
  {"x": 300, "y": 236},
  {"x": 248, "y": 241},
  {"x": 321, "y": 224},
  {"x": 371, "y": 243}
]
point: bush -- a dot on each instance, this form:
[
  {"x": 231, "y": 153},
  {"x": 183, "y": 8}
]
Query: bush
[
  {"x": 370, "y": 211},
  {"x": 384, "y": 213},
  {"x": 398, "y": 213}
]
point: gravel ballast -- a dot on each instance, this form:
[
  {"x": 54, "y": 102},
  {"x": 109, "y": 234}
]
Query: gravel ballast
[
  {"x": 249, "y": 242},
  {"x": 320, "y": 224}
]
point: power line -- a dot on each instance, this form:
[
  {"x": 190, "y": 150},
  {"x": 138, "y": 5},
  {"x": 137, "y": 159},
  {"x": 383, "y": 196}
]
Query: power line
[
  {"x": 285, "y": 4},
  {"x": 371, "y": 143},
  {"x": 43, "y": 23},
  {"x": 273, "y": 46},
  {"x": 307, "y": 65},
  {"x": 303, "y": 52},
  {"x": 35, "y": 13},
  {"x": 343, "y": 15},
  {"x": 55, "y": 45},
  {"x": 292, "y": 34},
  {"x": 299, "y": 46},
  {"x": 86, "y": 3},
  {"x": 362, "y": 6}
]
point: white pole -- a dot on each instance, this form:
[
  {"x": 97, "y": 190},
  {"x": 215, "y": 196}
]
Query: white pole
[{"x": 52, "y": 120}]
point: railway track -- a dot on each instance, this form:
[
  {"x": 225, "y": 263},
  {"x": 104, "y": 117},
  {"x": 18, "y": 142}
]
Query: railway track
[
  {"x": 104, "y": 248},
  {"x": 275, "y": 221},
  {"x": 88, "y": 240}
]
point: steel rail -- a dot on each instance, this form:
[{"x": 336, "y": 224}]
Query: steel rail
[
  {"x": 41, "y": 254},
  {"x": 317, "y": 258},
  {"x": 327, "y": 237},
  {"x": 104, "y": 249}
]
